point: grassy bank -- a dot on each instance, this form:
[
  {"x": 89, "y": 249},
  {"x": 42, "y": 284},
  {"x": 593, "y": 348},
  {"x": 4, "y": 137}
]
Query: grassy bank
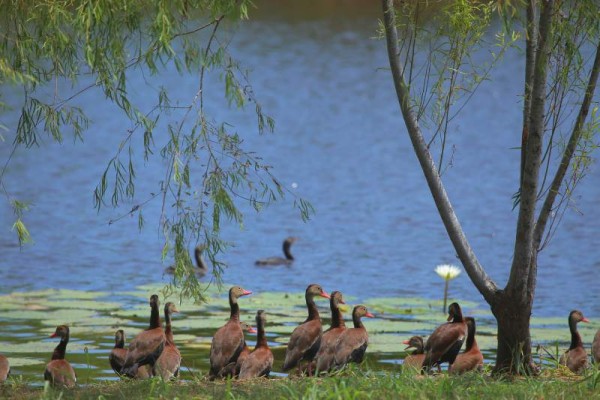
[{"x": 552, "y": 384}]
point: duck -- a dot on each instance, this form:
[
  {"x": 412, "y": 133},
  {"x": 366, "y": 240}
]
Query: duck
[
  {"x": 596, "y": 348},
  {"x": 4, "y": 368},
  {"x": 119, "y": 353},
  {"x": 246, "y": 327},
  {"x": 471, "y": 359},
  {"x": 228, "y": 342},
  {"x": 415, "y": 359},
  {"x": 324, "y": 357},
  {"x": 306, "y": 338},
  {"x": 576, "y": 358},
  {"x": 201, "y": 267},
  {"x": 289, "y": 258},
  {"x": 352, "y": 343},
  {"x": 59, "y": 371},
  {"x": 167, "y": 365},
  {"x": 446, "y": 340},
  {"x": 148, "y": 345},
  {"x": 260, "y": 361}
]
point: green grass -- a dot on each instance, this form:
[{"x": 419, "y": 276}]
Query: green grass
[{"x": 352, "y": 384}]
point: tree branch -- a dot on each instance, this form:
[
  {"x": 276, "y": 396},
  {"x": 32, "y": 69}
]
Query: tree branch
[
  {"x": 531, "y": 45},
  {"x": 540, "y": 226},
  {"x": 480, "y": 279},
  {"x": 523, "y": 273}
]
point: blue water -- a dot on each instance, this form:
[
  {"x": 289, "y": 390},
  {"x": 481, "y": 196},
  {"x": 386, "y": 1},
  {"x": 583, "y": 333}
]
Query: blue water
[{"x": 341, "y": 144}]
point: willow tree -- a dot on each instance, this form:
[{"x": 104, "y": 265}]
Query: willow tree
[
  {"x": 96, "y": 46},
  {"x": 562, "y": 61}
]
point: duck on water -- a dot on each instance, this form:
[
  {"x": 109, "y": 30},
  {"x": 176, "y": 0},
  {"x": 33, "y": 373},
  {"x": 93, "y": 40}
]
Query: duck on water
[{"x": 289, "y": 258}]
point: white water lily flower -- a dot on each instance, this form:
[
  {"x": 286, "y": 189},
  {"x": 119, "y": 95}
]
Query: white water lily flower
[{"x": 447, "y": 271}]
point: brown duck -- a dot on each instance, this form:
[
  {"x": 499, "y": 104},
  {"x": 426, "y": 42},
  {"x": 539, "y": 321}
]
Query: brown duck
[
  {"x": 4, "y": 368},
  {"x": 471, "y": 359},
  {"x": 58, "y": 371},
  {"x": 352, "y": 343},
  {"x": 324, "y": 357},
  {"x": 446, "y": 340},
  {"x": 415, "y": 359},
  {"x": 306, "y": 338},
  {"x": 289, "y": 258},
  {"x": 119, "y": 353},
  {"x": 167, "y": 365},
  {"x": 228, "y": 342},
  {"x": 576, "y": 358},
  {"x": 260, "y": 361},
  {"x": 596, "y": 348},
  {"x": 246, "y": 350},
  {"x": 148, "y": 345}
]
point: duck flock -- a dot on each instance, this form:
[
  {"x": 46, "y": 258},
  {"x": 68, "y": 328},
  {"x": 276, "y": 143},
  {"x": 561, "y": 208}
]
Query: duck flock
[{"x": 310, "y": 350}]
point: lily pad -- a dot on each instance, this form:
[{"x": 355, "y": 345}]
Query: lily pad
[
  {"x": 203, "y": 322},
  {"x": 100, "y": 322},
  {"x": 276, "y": 301},
  {"x": 61, "y": 294},
  {"x": 283, "y": 330},
  {"x": 24, "y": 361},
  {"x": 411, "y": 305},
  {"x": 83, "y": 305},
  {"x": 45, "y": 348},
  {"x": 397, "y": 326},
  {"x": 183, "y": 338}
]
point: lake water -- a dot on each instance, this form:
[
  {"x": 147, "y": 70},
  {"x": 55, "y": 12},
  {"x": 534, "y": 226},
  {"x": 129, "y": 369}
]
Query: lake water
[{"x": 340, "y": 143}]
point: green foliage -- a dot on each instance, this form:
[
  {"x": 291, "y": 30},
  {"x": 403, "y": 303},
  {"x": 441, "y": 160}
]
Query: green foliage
[
  {"x": 18, "y": 226},
  {"x": 94, "y": 45}
]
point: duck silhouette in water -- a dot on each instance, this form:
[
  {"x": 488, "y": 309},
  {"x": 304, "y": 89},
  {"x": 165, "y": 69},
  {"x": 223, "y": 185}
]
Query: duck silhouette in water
[{"x": 289, "y": 258}]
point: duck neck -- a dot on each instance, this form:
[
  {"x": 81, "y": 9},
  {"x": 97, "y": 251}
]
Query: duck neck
[
  {"x": 235, "y": 309},
  {"x": 120, "y": 342},
  {"x": 59, "y": 351},
  {"x": 313, "y": 311},
  {"x": 154, "y": 317},
  {"x": 199, "y": 261},
  {"x": 458, "y": 317},
  {"x": 168, "y": 330},
  {"x": 470, "y": 337},
  {"x": 357, "y": 321},
  {"x": 261, "y": 339},
  {"x": 286, "y": 250},
  {"x": 337, "y": 319},
  {"x": 575, "y": 337}
]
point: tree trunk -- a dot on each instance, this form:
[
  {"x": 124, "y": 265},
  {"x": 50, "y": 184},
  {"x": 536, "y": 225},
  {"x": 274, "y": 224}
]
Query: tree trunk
[
  {"x": 512, "y": 310},
  {"x": 514, "y": 341}
]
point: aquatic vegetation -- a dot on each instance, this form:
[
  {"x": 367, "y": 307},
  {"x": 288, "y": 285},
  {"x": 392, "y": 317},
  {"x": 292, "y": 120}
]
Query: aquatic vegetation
[{"x": 28, "y": 318}]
